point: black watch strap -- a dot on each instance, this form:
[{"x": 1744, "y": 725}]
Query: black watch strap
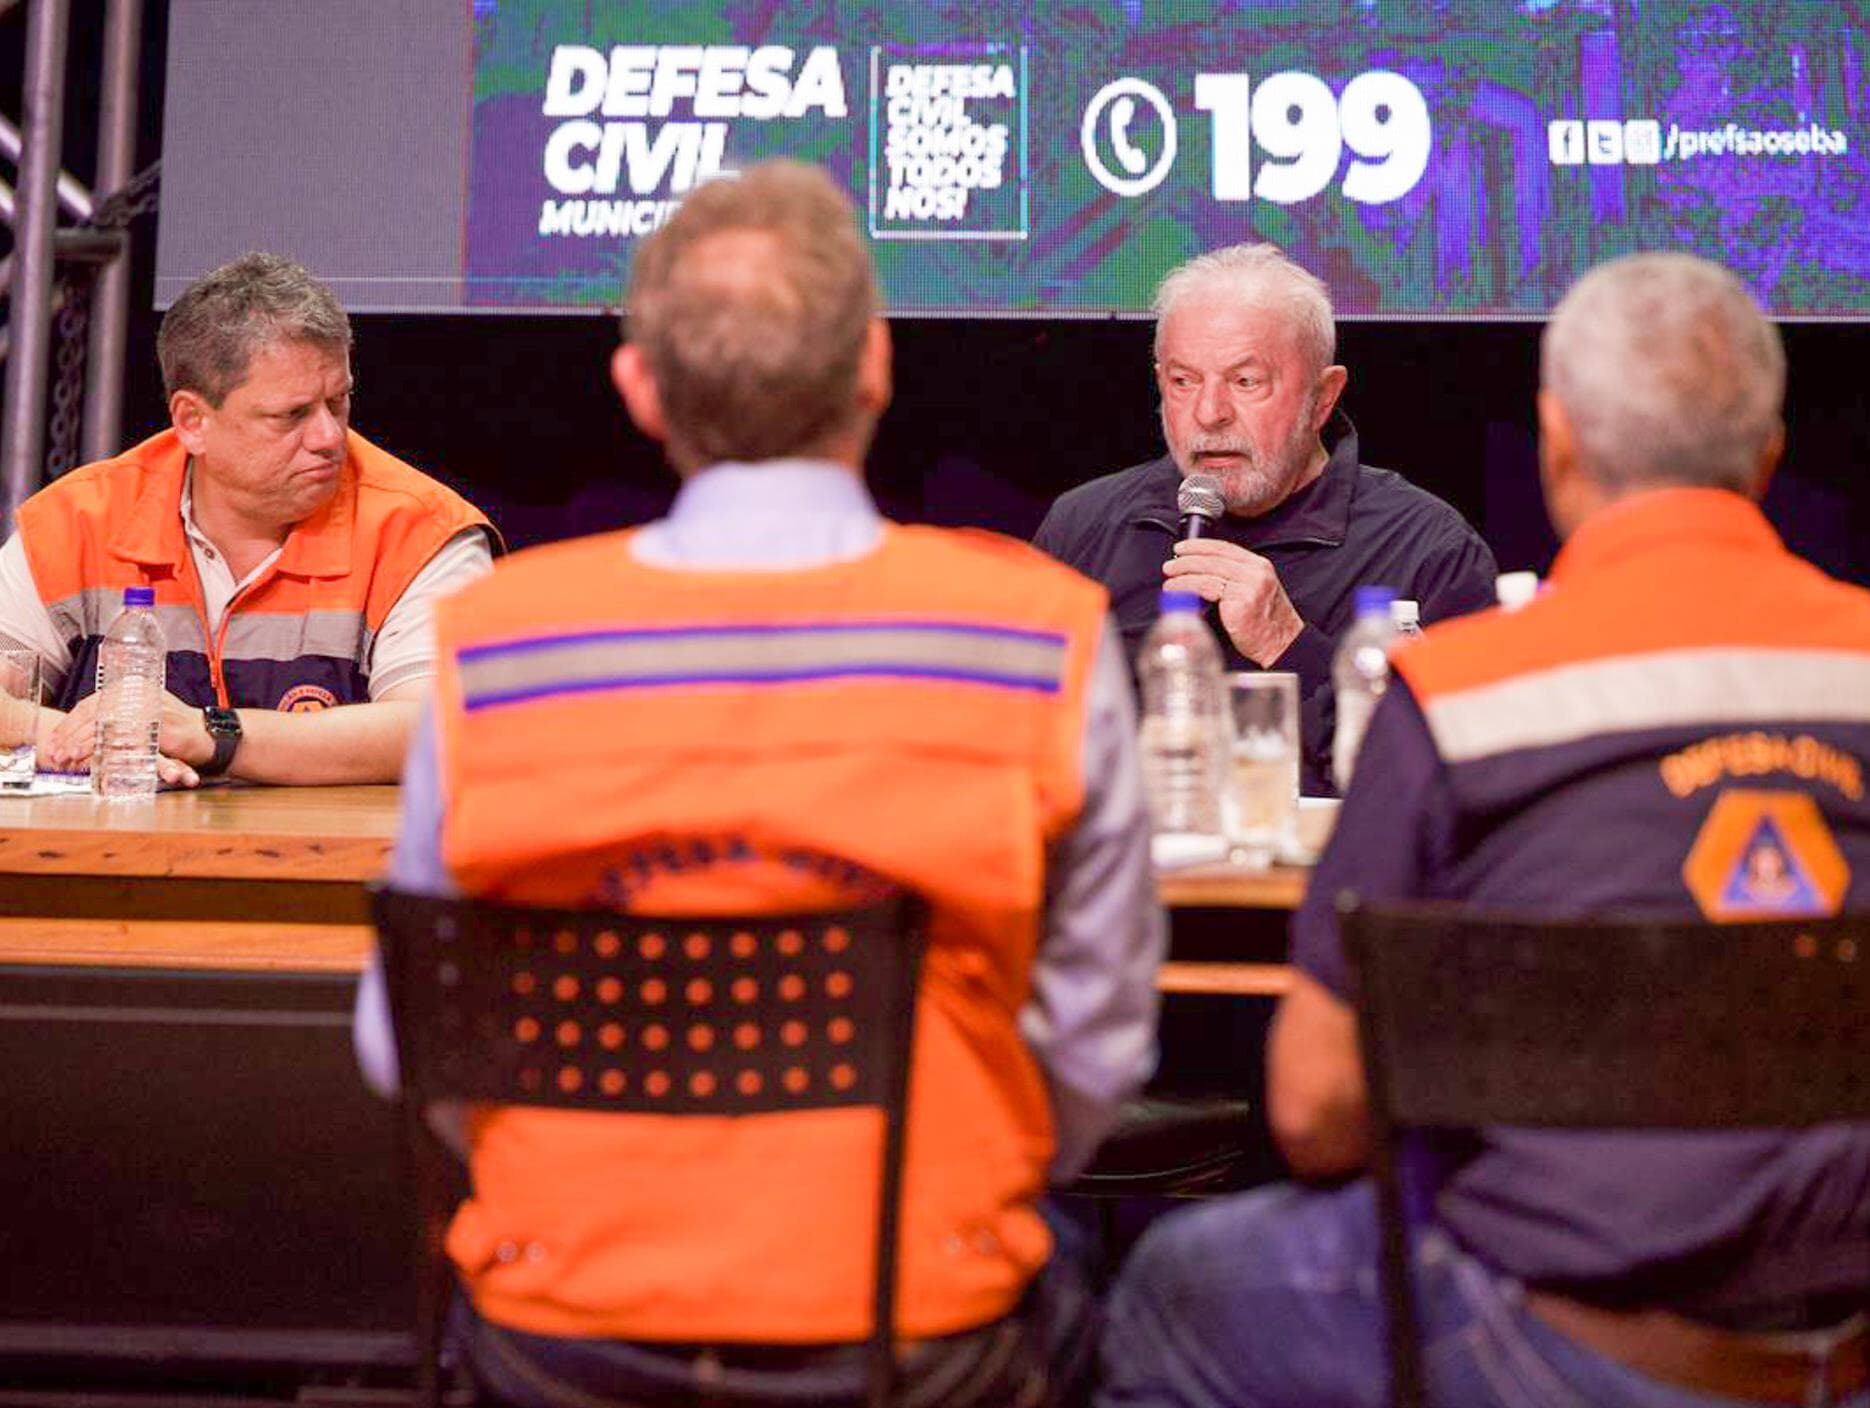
[{"x": 224, "y": 728}]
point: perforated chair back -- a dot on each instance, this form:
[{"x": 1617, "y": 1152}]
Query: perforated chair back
[
  {"x": 594, "y": 1010},
  {"x": 1469, "y": 1019}
]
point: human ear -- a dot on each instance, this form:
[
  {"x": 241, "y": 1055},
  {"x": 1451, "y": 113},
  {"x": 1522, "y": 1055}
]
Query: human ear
[
  {"x": 188, "y": 413},
  {"x": 630, "y": 373}
]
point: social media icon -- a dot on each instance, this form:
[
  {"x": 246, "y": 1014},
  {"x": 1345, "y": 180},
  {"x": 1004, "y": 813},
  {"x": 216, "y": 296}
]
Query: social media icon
[
  {"x": 1113, "y": 115},
  {"x": 1603, "y": 143},
  {"x": 1642, "y": 141},
  {"x": 1564, "y": 142}
]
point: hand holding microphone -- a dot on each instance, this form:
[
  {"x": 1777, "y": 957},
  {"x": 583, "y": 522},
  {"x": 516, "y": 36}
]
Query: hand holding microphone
[
  {"x": 1201, "y": 503},
  {"x": 1255, "y": 611}
]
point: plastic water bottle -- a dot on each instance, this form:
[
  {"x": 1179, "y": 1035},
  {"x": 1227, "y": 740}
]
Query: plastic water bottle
[
  {"x": 1360, "y": 672},
  {"x": 130, "y": 666},
  {"x": 1186, "y": 731},
  {"x": 1408, "y": 617}
]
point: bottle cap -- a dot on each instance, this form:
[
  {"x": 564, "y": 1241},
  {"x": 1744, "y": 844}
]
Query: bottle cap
[
  {"x": 1178, "y": 601},
  {"x": 1374, "y": 601},
  {"x": 1514, "y": 589},
  {"x": 139, "y": 596}
]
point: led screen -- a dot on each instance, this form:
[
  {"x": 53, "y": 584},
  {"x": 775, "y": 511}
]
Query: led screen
[{"x": 1428, "y": 160}]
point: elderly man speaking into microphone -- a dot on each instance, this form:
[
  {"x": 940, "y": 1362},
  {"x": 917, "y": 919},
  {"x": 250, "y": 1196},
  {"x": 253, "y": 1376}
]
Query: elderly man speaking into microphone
[{"x": 1244, "y": 347}]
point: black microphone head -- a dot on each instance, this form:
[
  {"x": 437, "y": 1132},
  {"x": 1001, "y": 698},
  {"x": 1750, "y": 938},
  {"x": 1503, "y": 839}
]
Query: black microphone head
[{"x": 1201, "y": 496}]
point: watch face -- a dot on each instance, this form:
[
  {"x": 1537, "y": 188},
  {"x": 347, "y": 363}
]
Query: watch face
[{"x": 223, "y": 727}]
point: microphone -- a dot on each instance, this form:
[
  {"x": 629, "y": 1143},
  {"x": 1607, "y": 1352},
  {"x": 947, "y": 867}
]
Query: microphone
[{"x": 1200, "y": 503}]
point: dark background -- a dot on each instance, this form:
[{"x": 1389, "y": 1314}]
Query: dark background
[{"x": 992, "y": 418}]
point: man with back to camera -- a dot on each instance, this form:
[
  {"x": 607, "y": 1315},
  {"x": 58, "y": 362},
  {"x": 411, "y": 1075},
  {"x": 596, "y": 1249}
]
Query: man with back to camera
[
  {"x": 295, "y": 564},
  {"x": 1684, "y": 679},
  {"x": 1244, "y": 342},
  {"x": 773, "y": 699}
]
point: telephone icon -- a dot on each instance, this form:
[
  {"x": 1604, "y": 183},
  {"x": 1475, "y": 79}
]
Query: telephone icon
[
  {"x": 1122, "y": 113},
  {"x": 1118, "y": 113}
]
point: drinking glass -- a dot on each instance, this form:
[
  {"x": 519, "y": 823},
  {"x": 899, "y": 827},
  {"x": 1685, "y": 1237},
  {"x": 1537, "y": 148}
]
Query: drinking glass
[
  {"x": 1263, "y": 777},
  {"x": 19, "y": 718}
]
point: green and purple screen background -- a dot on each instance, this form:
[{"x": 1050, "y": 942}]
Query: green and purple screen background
[{"x": 1558, "y": 133}]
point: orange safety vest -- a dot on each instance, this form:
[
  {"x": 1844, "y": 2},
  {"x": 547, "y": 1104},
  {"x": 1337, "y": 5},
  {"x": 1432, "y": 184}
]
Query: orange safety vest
[
  {"x": 1646, "y": 576},
  {"x": 298, "y": 637},
  {"x": 740, "y": 742}
]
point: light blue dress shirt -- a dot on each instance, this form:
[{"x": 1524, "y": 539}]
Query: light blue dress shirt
[{"x": 1091, "y": 1018}]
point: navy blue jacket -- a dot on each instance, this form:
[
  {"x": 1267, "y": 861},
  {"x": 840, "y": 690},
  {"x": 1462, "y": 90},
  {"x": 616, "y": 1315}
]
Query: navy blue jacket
[
  {"x": 1686, "y": 694},
  {"x": 1352, "y": 526}
]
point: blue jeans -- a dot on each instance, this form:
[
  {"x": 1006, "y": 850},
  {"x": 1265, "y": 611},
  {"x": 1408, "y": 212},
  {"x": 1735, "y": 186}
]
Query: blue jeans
[{"x": 1272, "y": 1298}]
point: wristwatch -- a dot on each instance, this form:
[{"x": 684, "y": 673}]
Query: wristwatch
[{"x": 224, "y": 728}]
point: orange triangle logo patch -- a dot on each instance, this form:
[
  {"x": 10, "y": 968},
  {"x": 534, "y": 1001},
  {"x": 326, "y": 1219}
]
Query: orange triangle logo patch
[{"x": 1765, "y": 855}]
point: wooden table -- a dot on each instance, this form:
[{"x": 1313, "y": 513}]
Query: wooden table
[
  {"x": 247, "y": 878},
  {"x": 271, "y": 879},
  {"x": 1230, "y": 922},
  {"x": 195, "y": 1172},
  {"x": 1272, "y": 894}
]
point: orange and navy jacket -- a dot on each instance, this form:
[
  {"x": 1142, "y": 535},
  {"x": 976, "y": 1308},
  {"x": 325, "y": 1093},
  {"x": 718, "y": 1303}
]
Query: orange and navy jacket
[
  {"x": 297, "y": 637},
  {"x": 1679, "y": 727},
  {"x": 743, "y": 742}
]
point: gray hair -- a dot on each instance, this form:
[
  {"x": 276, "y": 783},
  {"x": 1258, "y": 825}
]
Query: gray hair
[
  {"x": 1262, "y": 275},
  {"x": 755, "y": 342},
  {"x": 1668, "y": 372},
  {"x": 211, "y": 333}
]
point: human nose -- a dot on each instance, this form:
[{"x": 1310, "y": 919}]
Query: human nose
[
  {"x": 324, "y": 431},
  {"x": 1212, "y": 406}
]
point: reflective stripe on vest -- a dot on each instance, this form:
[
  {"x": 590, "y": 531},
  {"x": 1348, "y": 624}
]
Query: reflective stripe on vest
[{"x": 519, "y": 671}]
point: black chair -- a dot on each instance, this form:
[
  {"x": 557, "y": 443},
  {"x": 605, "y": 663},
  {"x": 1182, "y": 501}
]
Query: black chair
[
  {"x": 492, "y": 1003},
  {"x": 1164, "y": 1146},
  {"x": 1168, "y": 1146},
  {"x": 1175, "y": 1146},
  {"x": 1470, "y": 1019}
]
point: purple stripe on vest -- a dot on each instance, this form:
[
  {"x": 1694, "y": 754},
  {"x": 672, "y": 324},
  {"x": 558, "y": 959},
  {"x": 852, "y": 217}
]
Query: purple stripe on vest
[
  {"x": 475, "y": 703},
  {"x": 523, "y": 644}
]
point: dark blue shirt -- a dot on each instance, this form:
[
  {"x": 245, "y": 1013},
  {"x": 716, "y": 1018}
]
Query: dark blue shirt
[{"x": 1352, "y": 526}]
